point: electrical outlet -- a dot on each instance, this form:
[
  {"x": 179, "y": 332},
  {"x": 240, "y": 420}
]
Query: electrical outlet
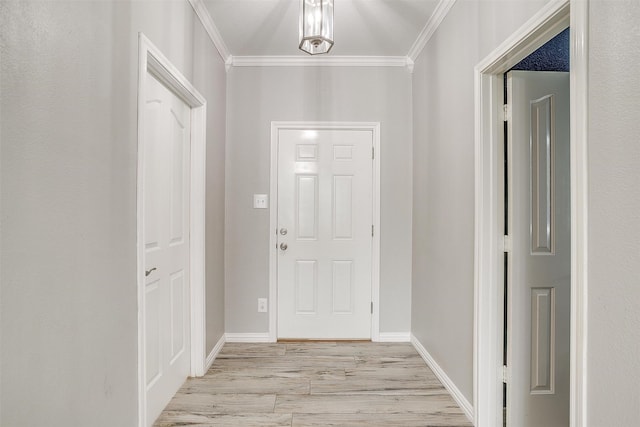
[{"x": 262, "y": 305}]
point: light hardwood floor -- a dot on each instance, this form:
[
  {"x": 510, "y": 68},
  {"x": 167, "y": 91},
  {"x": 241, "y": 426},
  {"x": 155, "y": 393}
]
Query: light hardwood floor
[{"x": 315, "y": 384}]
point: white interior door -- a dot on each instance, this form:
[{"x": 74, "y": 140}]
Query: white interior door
[
  {"x": 325, "y": 205},
  {"x": 539, "y": 280},
  {"x": 166, "y": 245}
]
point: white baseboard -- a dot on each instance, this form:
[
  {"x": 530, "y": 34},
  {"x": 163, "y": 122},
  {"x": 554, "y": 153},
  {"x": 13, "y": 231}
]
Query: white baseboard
[
  {"x": 251, "y": 337},
  {"x": 394, "y": 337},
  {"x": 457, "y": 395},
  {"x": 265, "y": 337},
  {"x": 214, "y": 353}
]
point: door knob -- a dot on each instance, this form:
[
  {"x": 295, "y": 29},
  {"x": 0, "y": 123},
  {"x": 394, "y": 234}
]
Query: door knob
[
  {"x": 148, "y": 272},
  {"x": 283, "y": 231},
  {"x": 283, "y": 246}
]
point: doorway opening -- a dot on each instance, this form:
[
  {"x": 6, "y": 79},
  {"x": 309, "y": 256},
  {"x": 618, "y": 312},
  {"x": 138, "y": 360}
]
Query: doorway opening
[
  {"x": 548, "y": 67},
  {"x": 492, "y": 267}
]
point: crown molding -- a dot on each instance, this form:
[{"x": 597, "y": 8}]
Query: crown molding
[
  {"x": 210, "y": 27},
  {"x": 439, "y": 13},
  {"x": 429, "y": 29},
  {"x": 324, "y": 61}
]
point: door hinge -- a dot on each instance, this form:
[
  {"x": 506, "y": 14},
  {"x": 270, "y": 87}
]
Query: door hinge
[
  {"x": 373, "y": 152},
  {"x": 506, "y": 113},
  {"x": 372, "y": 231},
  {"x": 371, "y": 307},
  {"x": 505, "y": 374},
  {"x": 506, "y": 243}
]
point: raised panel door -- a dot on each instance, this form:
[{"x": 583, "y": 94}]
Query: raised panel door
[
  {"x": 166, "y": 244},
  {"x": 325, "y": 258}
]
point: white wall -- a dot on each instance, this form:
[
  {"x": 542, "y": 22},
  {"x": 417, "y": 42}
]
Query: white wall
[
  {"x": 68, "y": 306},
  {"x": 257, "y": 96},
  {"x": 613, "y": 215},
  {"x": 443, "y": 179}
]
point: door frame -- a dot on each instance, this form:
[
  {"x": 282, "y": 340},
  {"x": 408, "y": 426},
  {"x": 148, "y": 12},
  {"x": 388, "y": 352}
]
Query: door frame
[
  {"x": 489, "y": 206},
  {"x": 152, "y": 61},
  {"x": 374, "y": 127}
]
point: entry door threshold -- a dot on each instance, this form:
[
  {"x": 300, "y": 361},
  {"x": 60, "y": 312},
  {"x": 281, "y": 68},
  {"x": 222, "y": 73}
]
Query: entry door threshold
[{"x": 307, "y": 340}]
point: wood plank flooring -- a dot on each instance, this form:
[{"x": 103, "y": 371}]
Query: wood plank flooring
[{"x": 315, "y": 384}]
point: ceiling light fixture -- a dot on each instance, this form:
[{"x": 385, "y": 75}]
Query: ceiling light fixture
[{"x": 316, "y": 26}]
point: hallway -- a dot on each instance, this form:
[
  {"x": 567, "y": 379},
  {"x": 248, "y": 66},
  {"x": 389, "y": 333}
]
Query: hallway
[
  {"x": 72, "y": 283},
  {"x": 315, "y": 384}
]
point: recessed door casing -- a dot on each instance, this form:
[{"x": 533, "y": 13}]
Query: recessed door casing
[{"x": 325, "y": 206}]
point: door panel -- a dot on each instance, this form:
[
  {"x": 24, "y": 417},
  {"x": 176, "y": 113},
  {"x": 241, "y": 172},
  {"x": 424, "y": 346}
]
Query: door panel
[
  {"x": 325, "y": 202},
  {"x": 542, "y": 152},
  {"x": 177, "y": 314},
  {"x": 539, "y": 268},
  {"x": 307, "y": 197},
  {"x": 306, "y": 286},
  {"x": 342, "y": 287},
  {"x": 167, "y": 143},
  {"x": 543, "y": 323},
  {"x": 152, "y": 332},
  {"x": 342, "y": 207}
]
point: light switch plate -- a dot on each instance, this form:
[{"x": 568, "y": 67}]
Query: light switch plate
[{"x": 260, "y": 201}]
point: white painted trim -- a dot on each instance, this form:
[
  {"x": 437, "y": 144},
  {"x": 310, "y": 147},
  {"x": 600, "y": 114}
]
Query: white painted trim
[
  {"x": 444, "y": 379},
  {"x": 439, "y": 13},
  {"x": 214, "y": 353},
  {"x": 410, "y": 65},
  {"x": 197, "y": 244},
  {"x": 322, "y": 61},
  {"x": 375, "y": 256},
  {"x": 394, "y": 337},
  {"x": 487, "y": 262},
  {"x": 579, "y": 209},
  {"x": 374, "y": 127},
  {"x": 258, "y": 337},
  {"x": 550, "y": 20},
  {"x": 273, "y": 238},
  {"x": 152, "y": 61},
  {"x": 210, "y": 27}
]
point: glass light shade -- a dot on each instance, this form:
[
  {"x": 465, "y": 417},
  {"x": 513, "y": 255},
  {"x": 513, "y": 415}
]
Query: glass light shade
[{"x": 316, "y": 26}]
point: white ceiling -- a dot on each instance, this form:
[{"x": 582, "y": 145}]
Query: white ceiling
[{"x": 361, "y": 27}]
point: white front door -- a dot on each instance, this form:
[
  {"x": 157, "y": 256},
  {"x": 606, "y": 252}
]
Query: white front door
[
  {"x": 166, "y": 245},
  {"x": 539, "y": 287},
  {"x": 325, "y": 206}
]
